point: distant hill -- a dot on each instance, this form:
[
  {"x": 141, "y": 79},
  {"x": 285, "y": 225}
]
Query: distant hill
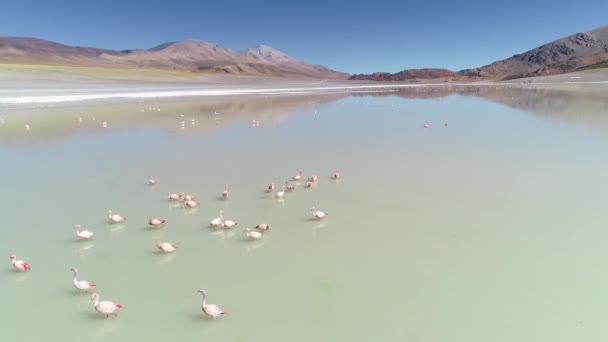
[
  {"x": 193, "y": 55},
  {"x": 580, "y": 51}
]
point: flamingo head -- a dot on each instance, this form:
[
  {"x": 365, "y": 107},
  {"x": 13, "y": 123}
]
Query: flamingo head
[
  {"x": 247, "y": 230},
  {"x": 77, "y": 227},
  {"x": 74, "y": 270},
  {"x": 110, "y": 212},
  {"x": 94, "y": 297},
  {"x": 203, "y": 292},
  {"x": 12, "y": 257},
  {"x": 313, "y": 209},
  {"x": 158, "y": 244}
]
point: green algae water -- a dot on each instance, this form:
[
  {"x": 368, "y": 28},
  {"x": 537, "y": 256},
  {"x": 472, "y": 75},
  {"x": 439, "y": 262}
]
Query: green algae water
[{"x": 487, "y": 225}]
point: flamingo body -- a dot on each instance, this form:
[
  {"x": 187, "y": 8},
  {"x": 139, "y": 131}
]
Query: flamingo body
[
  {"x": 152, "y": 181},
  {"x": 191, "y": 203},
  {"x": 106, "y": 307},
  {"x": 155, "y": 222},
  {"x": 83, "y": 234},
  {"x": 166, "y": 247},
  {"x": 115, "y": 218},
  {"x": 82, "y": 285},
  {"x": 210, "y": 310},
  {"x": 253, "y": 235},
  {"x": 19, "y": 265},
  {"x": 263, "y": 227},
  {"x": 173, "y": 197},
  {"x": 318, "y": 214}
]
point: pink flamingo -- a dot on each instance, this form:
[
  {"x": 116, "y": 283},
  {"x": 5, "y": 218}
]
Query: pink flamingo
[
  {"x": 281, "y": 193},
  {"x": 313, "y": 178},
  {"x": 317, "y": 213},
  {"x": 191, "y": 203},
  {"x": 83, "y": 234},
  {"x": 173, "y": 197},
  {"x": 225, "y": 193},
  {"x": 297, "y": 177},
  {"x": 82, "y": 285},
  {"x": 155, "y": 222},
  {"x": 309, "y": 184},
  {"x": 336, "y": 175},
  {"x": 253, "y": 235},
  {"x": 152, "y": 181},
  {"x": 19, "y": 265},
  {"x": 187, "y": 197},
  {"x": 210, "y": 310},
  {"x": 270, "y": 187},
  {"x": 166, "y": 247},
  {"x": 263, "y": 227},
  {"x": 289, "y": 187},
  {"x": 106, "y": 307},
  {"x": 115, "y": 218}
]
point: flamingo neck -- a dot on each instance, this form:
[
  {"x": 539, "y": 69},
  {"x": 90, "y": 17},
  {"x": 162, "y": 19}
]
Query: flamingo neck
[
  {"x": 75, "y": 275},
  {"x": 204, "y": 298}
]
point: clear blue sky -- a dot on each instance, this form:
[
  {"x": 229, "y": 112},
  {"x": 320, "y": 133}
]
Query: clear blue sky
[{"x": 353, "y": 36}]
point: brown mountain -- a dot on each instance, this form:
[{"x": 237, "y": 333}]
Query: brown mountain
[
  {"x": 576, "y": 52},
  {"x": 191, "y": 55}
]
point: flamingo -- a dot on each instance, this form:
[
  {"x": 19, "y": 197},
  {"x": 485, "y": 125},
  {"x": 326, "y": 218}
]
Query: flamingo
[
  {"x": 228, "y": 224},
  {"x": 191, "y": 203},
  {"x": 336, "y": 175},
  {"x": 216, "y": 222},
  {"x": 115, "y": 218},
  {"x": 297, "y": 177},
  {"x": 173, "y": 197},
  {"x": 106, "y": 307},
  {"x": 225, "y": 193},
  {"x": 166, "y": 247},
  {"x": 313, "y": 178},
  {"x": 83, "y": 234},
  {"x": 210, "y": 310},
  {"x": 188, "y": 197},
  {"x": 263, "y": 227},
  {"x": 289, "y": 187},
  {"x": 152, "y": 181},
  {"x": 280, "y": 193},
  {"x": 82, "y": 285},
  {"x": 253, "y": 235},
  {"x": 19, "y": 265},
  {"x": 270, "y": 187},
  {"x": 317, "y": 213},
  {"x": 156, "y": 222},
  {"x": 309, "y": 184}
]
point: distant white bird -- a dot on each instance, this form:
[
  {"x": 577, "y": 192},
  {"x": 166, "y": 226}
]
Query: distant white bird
[
  {"x": 253, "y": 235},
  {"x": 289, "y": 187},
  {"x": 188, "y": 197},
  {"x": 216, "y": 222},
  {"x": 115, "y": 218},
  {"x": 19, "y": 265},
  {"x": 152, "y": 181},
  {"x": 166, "y": 247},
  {"x": 317, "y": 213},
  {"x": 105, "y": 308},
  {"x": 228, "y": 224},
  {"x": 191, "y": 203},
  {"x": 336, "y": 175},
  {"x": 82, "y": 285},
  {"x": 263, "y": 227},
  {"x": 281, "y": 193},
  {"x": 173, "y": 197},
  {"x": 83, "y": 234},
  {"x": 210, "y": 310},
  {"x": 297, "y": 177},
  {"x": 156, "y": 222}
]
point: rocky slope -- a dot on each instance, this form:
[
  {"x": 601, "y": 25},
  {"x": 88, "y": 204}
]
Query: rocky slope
[
  {"x": 576, "y": 52},
  {"x": 192, "y": 55}
]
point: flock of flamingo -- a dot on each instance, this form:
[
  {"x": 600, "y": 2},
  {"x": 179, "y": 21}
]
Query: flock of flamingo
[{"x": 109, "y": 308}]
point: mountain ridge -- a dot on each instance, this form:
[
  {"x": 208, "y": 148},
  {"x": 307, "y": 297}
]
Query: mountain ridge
[
  {"x": 575, "y": 52},
  {"x": 190, "y": 55}
]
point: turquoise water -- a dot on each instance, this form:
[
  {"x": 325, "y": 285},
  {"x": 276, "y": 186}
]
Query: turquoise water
[{"x": 489, "y": 229}]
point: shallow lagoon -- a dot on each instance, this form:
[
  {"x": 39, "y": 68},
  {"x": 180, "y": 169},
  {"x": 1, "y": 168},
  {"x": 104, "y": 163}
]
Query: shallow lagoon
[{"x": 492, "y": 228}]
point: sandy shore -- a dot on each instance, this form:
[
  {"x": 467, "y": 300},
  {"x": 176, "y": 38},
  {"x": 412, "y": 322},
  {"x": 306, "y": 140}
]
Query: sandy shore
[{"x": 22, "y": 85}]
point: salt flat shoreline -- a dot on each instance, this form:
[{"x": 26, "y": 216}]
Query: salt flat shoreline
[{"x": 20, "y": 89}]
